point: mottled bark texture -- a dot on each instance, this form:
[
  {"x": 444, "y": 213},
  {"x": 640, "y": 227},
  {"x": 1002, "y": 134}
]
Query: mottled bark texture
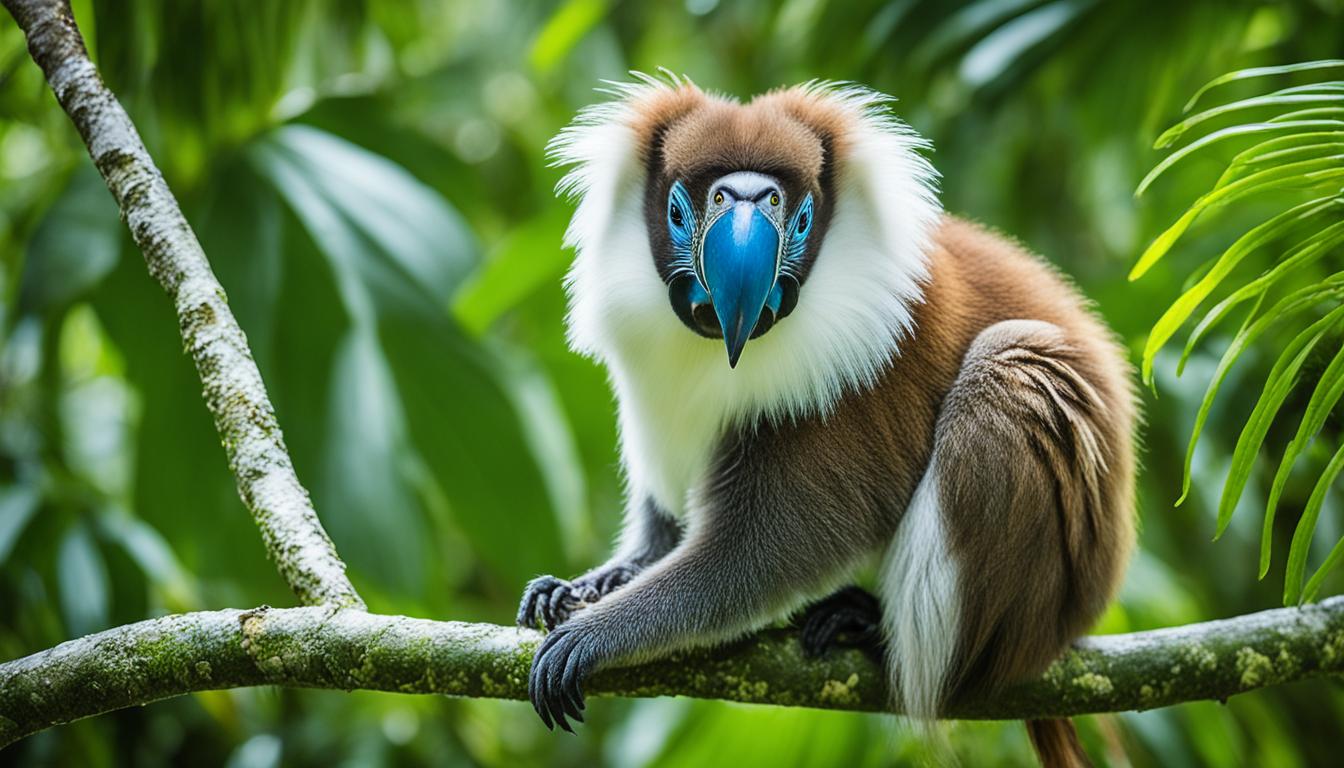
[
  {"x": 233, "y": 388},
  {"x": 345, "y": 649},
  {"x": 337, "y": 645}
]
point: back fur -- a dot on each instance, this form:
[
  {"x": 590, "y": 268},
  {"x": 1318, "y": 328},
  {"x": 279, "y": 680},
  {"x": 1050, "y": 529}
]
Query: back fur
[{"x": 1030, "y": 474}]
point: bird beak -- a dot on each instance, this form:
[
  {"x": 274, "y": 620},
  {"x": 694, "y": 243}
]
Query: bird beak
[{"x": 739, "y": 266}]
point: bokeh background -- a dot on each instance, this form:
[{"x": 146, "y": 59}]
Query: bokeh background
[{"x": 370, "y": 184}]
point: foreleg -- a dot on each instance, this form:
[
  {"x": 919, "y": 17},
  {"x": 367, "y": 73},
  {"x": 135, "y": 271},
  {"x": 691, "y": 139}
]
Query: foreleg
[
  {"x": 549, "y": 601},
  {"x": 765, "y": 540}
]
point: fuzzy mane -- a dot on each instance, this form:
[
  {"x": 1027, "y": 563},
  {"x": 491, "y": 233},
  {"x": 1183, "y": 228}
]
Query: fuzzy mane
[{"x": 675, "y": 389}]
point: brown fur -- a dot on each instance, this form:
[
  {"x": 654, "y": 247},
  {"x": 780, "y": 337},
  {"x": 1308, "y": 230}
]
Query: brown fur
[
  {"x": 1007, "y": 384},
  {"x": 1056, "y": 744},
  {"x": 1031, "y": 422},
  {"x": 1019, "y": 414},
  {"x": 1042, "y": 523},
  {"x": 689, "y": 129},
  {"x": 686, "y": 134},
  {"x": 1039, "y": 413}
]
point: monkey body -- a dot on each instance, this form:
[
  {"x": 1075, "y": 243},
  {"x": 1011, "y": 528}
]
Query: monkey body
[{"x": 923, "y": 390}]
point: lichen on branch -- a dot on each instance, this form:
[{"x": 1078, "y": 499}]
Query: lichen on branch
[{"x": 343, "y": 649}]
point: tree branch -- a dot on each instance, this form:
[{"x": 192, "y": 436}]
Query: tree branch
[
  {"x": 337, "y": 645},
  {"x": 234, "y": 391},
  {"x": 347, "y": 649}
]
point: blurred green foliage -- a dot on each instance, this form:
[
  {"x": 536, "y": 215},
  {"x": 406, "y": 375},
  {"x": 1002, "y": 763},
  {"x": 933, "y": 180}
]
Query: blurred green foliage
[{"x": 369, "y": 182}]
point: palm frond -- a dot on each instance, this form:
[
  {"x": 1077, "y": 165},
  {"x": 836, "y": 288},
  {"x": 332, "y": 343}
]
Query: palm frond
[{"x": 1296, "y": 147}]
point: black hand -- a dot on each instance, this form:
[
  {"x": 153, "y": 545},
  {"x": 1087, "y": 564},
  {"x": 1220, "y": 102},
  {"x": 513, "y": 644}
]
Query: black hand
[
  {"x": 613, "y": 577},
  {"x": 565, "y": 659},
  {"x": 549, "y": 602}
]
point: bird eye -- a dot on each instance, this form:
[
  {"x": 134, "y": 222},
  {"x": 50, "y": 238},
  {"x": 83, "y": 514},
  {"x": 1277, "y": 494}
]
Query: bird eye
[
  {"x": 675, "y": 214},
  {"x": 774, "y": 198},
  {"x": 718, "y": 198}
]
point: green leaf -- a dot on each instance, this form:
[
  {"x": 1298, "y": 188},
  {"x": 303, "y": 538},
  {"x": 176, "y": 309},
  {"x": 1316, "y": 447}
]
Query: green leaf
[
  {"x": 155, "y": 558},
  {"x": 349, "y": 255},
  {"x": 1298, "y": 257},
  {"x": 1294, "y": 148},
  {"x": 178, "y": 462},
  {"x": 1183, "y": 307},
  {"x": 381, "y": 226},
  {"x": 1254, "y": 72},
  {"x": 1300, "y": 175},
  {"x": 410, "y": 391},
  {"x": 466, "y": 426},
  {"x": 1323, "y": 400},
  {"x": 1328, "y": 86},
  {"x": 529, "y": 257},
  {"x": 1159, "y": 247},
  {"x": 372, "y": 513},
  {"x": 1272, "y": 148},
  {"x": 1282, "y": 378},
  {"x": 966, "y": 26},
  {"x": 1288, "y": 175},
  {"x": 1247, "y": 129},
  {"x": 1331, "y": 562},
  {"x": 1306, "y": 528},
  {"x": 18, "y": 504},
  {"x": 1314, "y": 112},
  {"x": 82, "y": 577},
  {"x": 1317, "y": 95},
  {"x": 548, "y": 433},
  {"x": 998, "y": 51},
  {"x": 1254, "y": 325},
  {"x": 75, "y": 246},
  {"x": 566, "y": 27},
  {"x": 240, "y": 230}
]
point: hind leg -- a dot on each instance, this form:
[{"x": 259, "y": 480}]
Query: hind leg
[
  {"x": 849, "y": 618},
  {"x": 1018, "y": 532}
]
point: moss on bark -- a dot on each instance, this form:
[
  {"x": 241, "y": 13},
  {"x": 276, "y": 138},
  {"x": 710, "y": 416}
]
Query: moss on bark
[{"x": 344, "y": 649}]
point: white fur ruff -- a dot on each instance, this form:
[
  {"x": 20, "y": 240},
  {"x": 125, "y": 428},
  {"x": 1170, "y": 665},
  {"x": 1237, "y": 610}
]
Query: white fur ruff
[
  {"x": 921, "y": 605},
  {"x": 675, "y": 390}
]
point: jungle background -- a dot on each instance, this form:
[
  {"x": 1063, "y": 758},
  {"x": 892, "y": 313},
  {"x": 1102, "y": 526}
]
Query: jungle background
[{"x": 369, "y": 182}]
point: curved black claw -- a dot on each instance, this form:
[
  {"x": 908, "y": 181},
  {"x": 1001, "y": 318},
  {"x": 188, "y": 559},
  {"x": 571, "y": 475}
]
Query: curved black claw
[
  {"x": 549, "y": 602},
  {"x": 611, "y": 579},
  {"x": 850, "y": 618},
  {"x": 555, "y": 684}
]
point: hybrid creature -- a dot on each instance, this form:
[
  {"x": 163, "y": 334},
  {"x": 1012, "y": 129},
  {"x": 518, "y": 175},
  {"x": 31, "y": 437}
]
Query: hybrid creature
[{"x": 816, "y": 367}]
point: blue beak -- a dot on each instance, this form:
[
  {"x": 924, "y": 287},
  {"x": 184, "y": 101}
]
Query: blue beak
[{"x": 740, "y": 265}]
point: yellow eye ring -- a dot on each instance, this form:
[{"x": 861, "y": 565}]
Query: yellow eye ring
[
  {"x": 774, "y": 199},
  {"x": 718, "y": 198}
]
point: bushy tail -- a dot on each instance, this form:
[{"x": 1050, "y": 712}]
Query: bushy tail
[{"x": 1056, "y": 744}]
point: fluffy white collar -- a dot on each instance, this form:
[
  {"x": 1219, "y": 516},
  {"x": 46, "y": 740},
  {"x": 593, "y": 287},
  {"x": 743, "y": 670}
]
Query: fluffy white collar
[{"x": 675, "y": 391}]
